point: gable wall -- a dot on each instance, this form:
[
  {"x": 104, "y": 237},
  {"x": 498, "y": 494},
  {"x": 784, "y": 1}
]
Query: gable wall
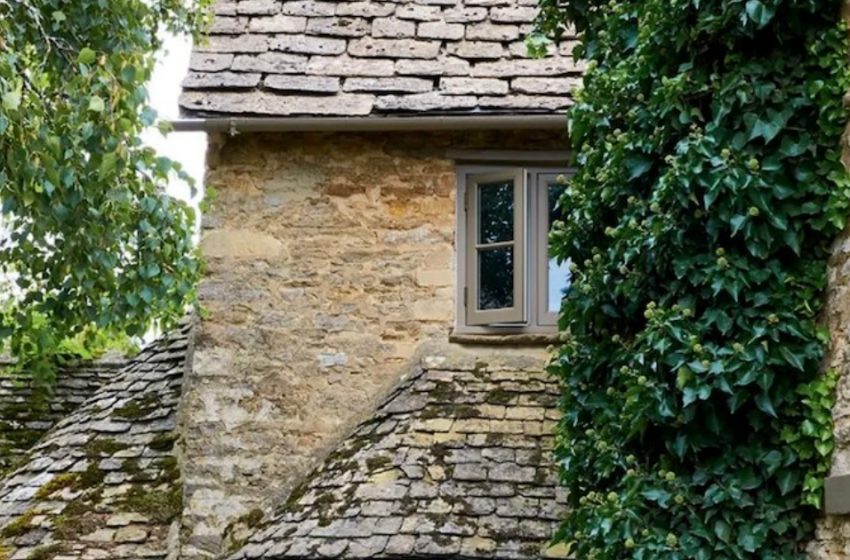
[{"x": 330, "y": 262}]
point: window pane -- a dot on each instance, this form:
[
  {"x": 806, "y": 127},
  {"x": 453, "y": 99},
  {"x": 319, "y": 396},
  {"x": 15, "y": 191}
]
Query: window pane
[
  {"x": 495, "y": 211},
  {"x": 555, "y": 192},
  {"x": 559, "y": 274},
  {"x": 496, "y": 278},
  {"x": 559, "y": 283}
]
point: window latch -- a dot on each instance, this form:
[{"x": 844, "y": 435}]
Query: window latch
[{"x": 465, "y": 296}]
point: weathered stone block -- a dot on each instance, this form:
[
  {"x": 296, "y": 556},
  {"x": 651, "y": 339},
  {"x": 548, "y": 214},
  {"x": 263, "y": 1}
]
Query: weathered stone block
[
  {"x": 391, "y": 85},
  {"x": 201, "y": 80},
  {"x": 444, "y": 66},
  {"x": 492, "y": 32},
  {"x": 229, "y": 25},
  {"x": 538, "y": 67},
  {"x": 479, "y": 50},
  {"x": 418, "y": 12},
  {"x": 440, "y": 30},
  {"x": 473, "y": 86},
  {"x": 308, "y": 45},
  {"x": 393, "y": 48},
  {"x": 313, "y": 84},
  {"x": 550, "y": 86},
  {"x": 271, "y": 63},
  {"x": 393, "y": 27},
  {"x": 339, "y": 26},
  {"x": 464, "y": 15},
  {"x": 365, "y": 9},
  {"x": 513, "y": 14},
  {"x": 424, "y": 102},
  {"x": 210, "y": 62},
  {"x": 278, "y": 23},
  {"x": 311, "y": 8},
  {"x": 346, "y": 66},
  {"x": 239, "y": 244},
  {"x": 248, "y": 43}
]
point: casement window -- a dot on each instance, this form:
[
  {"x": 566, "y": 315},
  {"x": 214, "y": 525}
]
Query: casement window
[{"x": 508, "y": 281}]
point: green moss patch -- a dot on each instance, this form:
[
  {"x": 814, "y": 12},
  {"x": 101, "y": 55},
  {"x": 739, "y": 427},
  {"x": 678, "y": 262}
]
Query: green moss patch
[
  {"x": 160, "y": 506},
  {"x": 19, "y": 526},
  {"x": 47, "y": 552},
  {"x": 138, "y": 408}
]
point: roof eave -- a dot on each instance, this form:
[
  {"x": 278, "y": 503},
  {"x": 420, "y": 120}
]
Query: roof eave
[{"x": 365, "y": 124}]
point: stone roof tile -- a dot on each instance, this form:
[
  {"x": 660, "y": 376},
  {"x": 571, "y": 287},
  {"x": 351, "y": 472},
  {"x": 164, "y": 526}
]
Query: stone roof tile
[
  {"x": 392, "y": 39},
  {"x": 104, "y": 481},
  {"x": 445, "y": 467}
]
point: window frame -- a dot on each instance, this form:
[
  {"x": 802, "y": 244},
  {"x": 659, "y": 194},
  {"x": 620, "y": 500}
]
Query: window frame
[
  {"x": 535, "y": 318},
  {"x": 541, "y": 183},
  {"x": 516, "y": 313}
]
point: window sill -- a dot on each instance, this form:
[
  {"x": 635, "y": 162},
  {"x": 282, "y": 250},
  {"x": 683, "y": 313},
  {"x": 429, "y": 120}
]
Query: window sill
[{"x": 504, "y": 339}]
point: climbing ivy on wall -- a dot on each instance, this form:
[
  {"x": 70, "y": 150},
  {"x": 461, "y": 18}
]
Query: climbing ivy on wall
[{"x": 709, "y": 189}]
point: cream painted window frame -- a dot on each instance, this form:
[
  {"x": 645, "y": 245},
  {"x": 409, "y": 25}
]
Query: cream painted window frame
[
  {"x": 515, "y": 313},
  {"x": 541, "y": 182},
  {"x": 535, "y": 276}
]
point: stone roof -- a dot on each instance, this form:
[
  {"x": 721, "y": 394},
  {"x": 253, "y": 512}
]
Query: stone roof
[
  {"x": 365, "y": 58},
  {"x": 27, "y": 411},
  {"x": 455, "y": 463},
  {"x": 104, "y": 483}
]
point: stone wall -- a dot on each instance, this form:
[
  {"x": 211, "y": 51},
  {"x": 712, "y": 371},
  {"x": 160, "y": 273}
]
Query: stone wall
[
  {"x": 833, "y": 532},
  {"x": 330, "y": 261}
]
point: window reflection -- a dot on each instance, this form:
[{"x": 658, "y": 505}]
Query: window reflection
[
  {"x": 559, "y": 276},
  {"x": 495, "y": 212},
  {"x": 496, "y": 278}
]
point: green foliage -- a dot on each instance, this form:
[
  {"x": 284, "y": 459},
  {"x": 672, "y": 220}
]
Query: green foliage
[
  {"x": 709, "y": 188},
  {"x": 91, "y": 242}
]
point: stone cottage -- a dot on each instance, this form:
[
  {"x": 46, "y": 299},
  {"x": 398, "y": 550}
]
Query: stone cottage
[{"x": 367, "y": 377}]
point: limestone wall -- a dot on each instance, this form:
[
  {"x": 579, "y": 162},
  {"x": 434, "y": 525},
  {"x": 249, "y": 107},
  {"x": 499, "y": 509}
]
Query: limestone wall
[
  {"x": 833, "y": 533},
  {"x": 330, "y": 261}
]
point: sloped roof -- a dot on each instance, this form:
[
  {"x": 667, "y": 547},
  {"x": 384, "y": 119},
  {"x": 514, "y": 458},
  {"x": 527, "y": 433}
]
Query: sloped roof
[
  {"x": 28, "y": 411},
  {"x": 374, "y": 58},
  {"x": 455, "y": 463},
  {"x": 103, "y": 482}
]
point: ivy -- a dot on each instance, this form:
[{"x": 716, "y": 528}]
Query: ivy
[
  {"x": 91, "y": 245},
  {"x": 696, "y": 414}
]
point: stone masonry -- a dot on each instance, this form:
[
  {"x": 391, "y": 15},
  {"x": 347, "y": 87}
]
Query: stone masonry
[{"x": 330, "y": 261}]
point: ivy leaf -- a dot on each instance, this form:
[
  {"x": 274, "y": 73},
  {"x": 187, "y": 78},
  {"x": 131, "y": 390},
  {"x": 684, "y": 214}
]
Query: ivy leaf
[
  {"x": 96, "y": 104},
  {"x": 787, "y": 480},
  {"x": 759, "y": 12},
  {"x": 765, "y": 404},
  {"x": 11, "y": 100},
  {"x": 86, "y": 56},
  {"x": 722, "y": 530}
]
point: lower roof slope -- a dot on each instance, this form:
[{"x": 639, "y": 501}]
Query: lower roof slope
[
  {"x": 455, "y": 463},
  {"x": 28, "y": 411},
  {"x": 104, "y": 483}
]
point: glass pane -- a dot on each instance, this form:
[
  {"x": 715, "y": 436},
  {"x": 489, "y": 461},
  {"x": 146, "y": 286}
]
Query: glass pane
[
  {"x": 496, "y": 278},
  {"x": 495, "y": 211},
  {"x": 559, "y": 274},
  {"x": 559, "y": 283},
  {"x": 555, "y": 192}
]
